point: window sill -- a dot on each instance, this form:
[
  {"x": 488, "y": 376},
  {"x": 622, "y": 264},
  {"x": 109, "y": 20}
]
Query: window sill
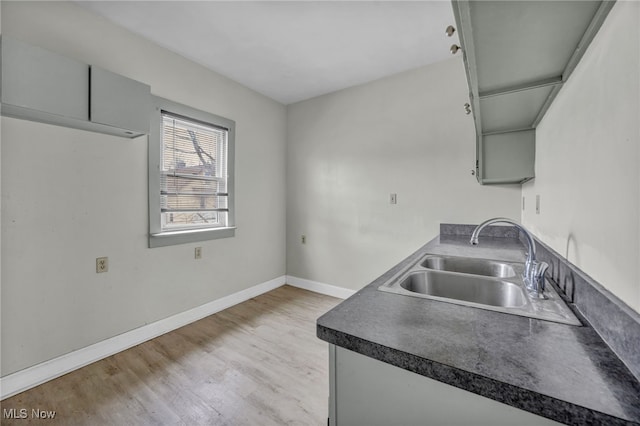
[{"x": 182, "y": 237}]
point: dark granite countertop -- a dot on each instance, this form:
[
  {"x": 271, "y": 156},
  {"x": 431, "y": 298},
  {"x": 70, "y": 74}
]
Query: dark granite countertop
[{"x": 562, "y": 372}]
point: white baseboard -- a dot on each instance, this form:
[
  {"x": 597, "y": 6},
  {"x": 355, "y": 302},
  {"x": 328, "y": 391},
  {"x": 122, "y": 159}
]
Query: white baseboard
[
  {"x": 28, "y": 378},
  {"x": 328, "y": 289}
]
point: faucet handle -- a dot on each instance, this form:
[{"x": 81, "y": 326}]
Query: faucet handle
[
  {"x": 538, "y": 271},
  {"x": 541, "y": 269}
]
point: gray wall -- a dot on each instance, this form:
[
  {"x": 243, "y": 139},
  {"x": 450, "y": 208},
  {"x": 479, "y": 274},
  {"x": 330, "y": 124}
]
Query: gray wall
[
  {"x": 587, "y": 157},
  {"x": 69, "y": 196},
  {"x": 347, "y": 151}
]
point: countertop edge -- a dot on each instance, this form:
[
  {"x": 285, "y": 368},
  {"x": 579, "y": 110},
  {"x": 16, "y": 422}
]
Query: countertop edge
[{"x": 527, "y": 400}]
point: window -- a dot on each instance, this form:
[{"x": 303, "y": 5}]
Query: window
[
  {"x": 190, "y": 175},
  {"x": 193, "y": 174}
]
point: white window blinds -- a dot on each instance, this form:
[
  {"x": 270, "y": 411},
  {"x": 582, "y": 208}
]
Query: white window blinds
[{"x": 193, "y": 177}]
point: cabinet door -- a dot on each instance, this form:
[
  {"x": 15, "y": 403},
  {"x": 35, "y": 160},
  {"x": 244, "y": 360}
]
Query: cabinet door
[
  {"x": 508, "y": 157},
  {"x": 34, "y": 79},
  {"x": 367, "y": 392},
  {"x": 120, "y": 102}
]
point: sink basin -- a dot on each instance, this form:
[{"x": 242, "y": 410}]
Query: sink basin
[
  {"x": 479, "y": 283},
  {"x": 465, "y": 288},
  {"x": 490, "y": 268}
]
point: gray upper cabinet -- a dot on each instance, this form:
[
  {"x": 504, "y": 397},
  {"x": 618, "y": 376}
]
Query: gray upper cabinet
[
  {"x": 119, "y": 102},
  {"x": 44, "y": 86},
  {"x": 517, "y": 55}
]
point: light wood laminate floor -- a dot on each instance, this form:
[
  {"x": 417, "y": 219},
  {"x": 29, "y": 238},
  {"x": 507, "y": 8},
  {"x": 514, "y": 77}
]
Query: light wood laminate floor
[{"x": 257, "y": 363}]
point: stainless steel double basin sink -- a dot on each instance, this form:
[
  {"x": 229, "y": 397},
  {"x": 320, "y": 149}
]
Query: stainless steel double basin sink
[{"x": 480, "y": 283}]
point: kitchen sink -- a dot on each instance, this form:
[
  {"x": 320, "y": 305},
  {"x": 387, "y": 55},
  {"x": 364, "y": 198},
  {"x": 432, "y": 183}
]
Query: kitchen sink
[
  {"x": 469, "y": 265},
  {"x": 480, "y": 283},
  {"x": 465, "y": 288}
]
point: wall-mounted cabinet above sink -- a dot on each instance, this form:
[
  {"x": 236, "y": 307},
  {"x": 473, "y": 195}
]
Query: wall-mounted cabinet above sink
[{"x": 517, "y": 56}]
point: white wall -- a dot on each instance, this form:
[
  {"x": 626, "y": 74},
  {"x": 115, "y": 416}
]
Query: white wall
[
  {"x": 0, "y": 213},
  {"x": 69, "y": 196},
  {"x": 588, "y": 157},
  {"x": 347, "y": 151}
]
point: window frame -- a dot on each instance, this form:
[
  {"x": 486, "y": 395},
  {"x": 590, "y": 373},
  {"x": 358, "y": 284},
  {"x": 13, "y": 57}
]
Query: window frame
[{"x": 157, "y": 237}]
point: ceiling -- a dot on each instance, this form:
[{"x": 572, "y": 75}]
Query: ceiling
[{"x": 293, "y": 50}]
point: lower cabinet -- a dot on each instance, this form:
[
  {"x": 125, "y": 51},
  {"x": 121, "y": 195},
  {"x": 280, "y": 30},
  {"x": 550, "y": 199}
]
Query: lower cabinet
[{"x": 364, "y": 391}]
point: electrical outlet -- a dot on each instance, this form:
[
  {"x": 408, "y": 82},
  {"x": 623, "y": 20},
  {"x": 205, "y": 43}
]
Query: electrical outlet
[
  {"x": 537, "y": 204},
  {"x": 393, "y": 199},
  {"x": 523, "y": 203},
  {"x": 197, "y": 254},
  {"x": 102, "y": 264},
  {"x": 303, "y": 239}
]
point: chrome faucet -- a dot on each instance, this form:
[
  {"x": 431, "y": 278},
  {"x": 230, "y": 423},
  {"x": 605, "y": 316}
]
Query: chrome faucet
[{"x": 533, "y": 275}]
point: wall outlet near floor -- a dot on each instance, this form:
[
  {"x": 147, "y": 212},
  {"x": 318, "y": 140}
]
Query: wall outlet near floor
[
  {"x": 523, "y": 203},
  {"x": 102, "y": 264},
  {"x": 393, "y": 199},
  {"x": 197, "y": 253},
  {"x": 537, "y": 204},
  {"x": 303, "y": 239}
]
